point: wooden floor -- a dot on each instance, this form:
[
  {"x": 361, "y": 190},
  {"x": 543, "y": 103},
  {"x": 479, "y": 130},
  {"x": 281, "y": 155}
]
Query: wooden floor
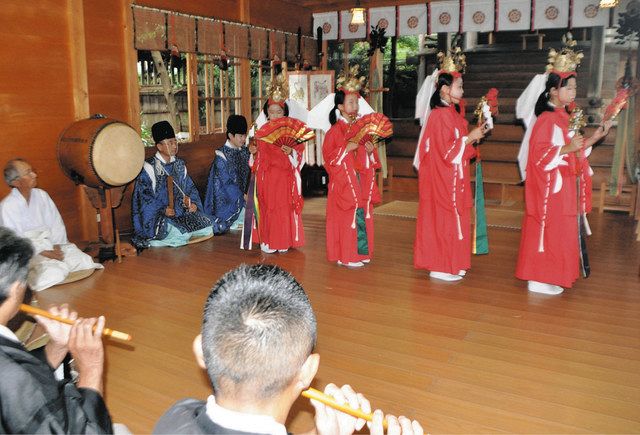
[{"x": 479, "y": 356}]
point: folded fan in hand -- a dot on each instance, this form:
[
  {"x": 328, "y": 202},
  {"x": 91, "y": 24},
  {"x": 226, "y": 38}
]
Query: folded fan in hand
[
  {"x": 372, "y": 127},
  {"x": 285, "y": 131}
]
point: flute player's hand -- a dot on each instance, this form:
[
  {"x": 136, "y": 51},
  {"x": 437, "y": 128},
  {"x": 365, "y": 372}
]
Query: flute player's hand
[
  {"x": 395, "y": 426},
  {"x": 86, "y": 346},
  {"x": 58, "y": 345},
  {"x": 332, "y": 422}
]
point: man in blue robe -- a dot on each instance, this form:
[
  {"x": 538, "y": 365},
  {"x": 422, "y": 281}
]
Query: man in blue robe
[
  {"x": 229, "y": 178},
  {"x": 155, "y": 221}
]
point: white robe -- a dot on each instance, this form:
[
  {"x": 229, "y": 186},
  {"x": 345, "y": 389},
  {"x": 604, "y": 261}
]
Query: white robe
[{"x": 41, "y": 223}]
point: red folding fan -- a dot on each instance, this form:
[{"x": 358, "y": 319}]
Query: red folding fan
[{"x": 285, "y": 131}]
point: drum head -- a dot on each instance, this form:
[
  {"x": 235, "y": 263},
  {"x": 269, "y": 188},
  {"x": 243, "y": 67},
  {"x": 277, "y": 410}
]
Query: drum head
[{"x": 117, "y": 154}]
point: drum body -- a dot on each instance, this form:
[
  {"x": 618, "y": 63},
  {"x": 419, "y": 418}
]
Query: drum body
[{"x": 100, "y": 152}]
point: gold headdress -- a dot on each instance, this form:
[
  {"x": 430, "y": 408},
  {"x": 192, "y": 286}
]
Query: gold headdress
[
  {"x": 455, "y": 63},
  {"x": 566, "y": 61},
  {"x": 350, "y": 83},
  {"x": 278, "y": 90}
]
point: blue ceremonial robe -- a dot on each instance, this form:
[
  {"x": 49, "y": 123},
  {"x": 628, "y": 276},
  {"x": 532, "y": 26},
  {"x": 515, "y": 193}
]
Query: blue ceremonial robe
[
  {"x": 228, "y": 182},
  {"x": 151, "y": 198}
]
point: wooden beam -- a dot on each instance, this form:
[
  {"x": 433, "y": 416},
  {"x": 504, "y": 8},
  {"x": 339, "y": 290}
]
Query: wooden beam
[{"x": 78, "y": 59}]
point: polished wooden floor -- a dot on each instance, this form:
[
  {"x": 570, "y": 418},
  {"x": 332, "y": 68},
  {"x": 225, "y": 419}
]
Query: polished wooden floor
[{"x": 479, "y": 356}]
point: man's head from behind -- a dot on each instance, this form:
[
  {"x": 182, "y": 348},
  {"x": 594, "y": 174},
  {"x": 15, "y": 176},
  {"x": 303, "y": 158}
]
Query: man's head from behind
[
  {"x": 258, "y": 334},
  {"x": 15, "y": 253}
]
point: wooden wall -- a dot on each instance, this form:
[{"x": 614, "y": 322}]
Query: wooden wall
[
  {"x": 60, "y": 66},
  {"x": 36, "y": 97}
]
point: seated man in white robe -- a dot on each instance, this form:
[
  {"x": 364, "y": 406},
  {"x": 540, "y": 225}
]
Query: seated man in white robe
[{"x": 31, "y": 213}]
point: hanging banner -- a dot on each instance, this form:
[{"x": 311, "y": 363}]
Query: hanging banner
[
  {"x": 513, "y": 15},
  {"x": 182, "y": 32},
  {"x": 550, "y": 14},
  {"x": 209, "y": 36},
  {"x": 477, "y": 15},
  {"x": 150, "y": 29},
  {"x": 444, "y": 16},
  {"x": 412, "y": 20},
  {"x": 236, "y": 40},
  {"x": 586, "y": 13},
  {"x": 351, "y": 31},
  {"x": 385, "y": 18},
  {"x": 328, "y": 21}
]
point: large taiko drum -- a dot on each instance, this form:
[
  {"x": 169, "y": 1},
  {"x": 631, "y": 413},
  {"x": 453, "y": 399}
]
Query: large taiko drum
[{"x": 100, "y": 152}]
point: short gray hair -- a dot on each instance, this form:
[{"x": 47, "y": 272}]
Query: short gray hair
[
  {"x": 15, "y": 254},
  {"x": 11, "y": 172}
]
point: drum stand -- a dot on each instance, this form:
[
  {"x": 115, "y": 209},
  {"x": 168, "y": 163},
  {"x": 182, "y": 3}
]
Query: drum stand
[{"x": 105, "y": 200}]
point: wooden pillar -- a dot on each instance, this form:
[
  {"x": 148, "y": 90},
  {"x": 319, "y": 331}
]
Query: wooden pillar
[
  {"x": 131, "y": 70},
  {"x": 192, "y": 96},
  {"x": 245, "y": 66},
  {"x": 324, "y": 65},
  {"x": 245, "y": 88},
  {"x": 80, "y": 92},
  {"x": 596, "y": 62},
  {"x": 78, "y": 59}
]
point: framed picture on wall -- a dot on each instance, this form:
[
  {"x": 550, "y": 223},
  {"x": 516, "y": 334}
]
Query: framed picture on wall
[
  {"x": 321, "y": 84},
  {"x": 299, "y": 88}
]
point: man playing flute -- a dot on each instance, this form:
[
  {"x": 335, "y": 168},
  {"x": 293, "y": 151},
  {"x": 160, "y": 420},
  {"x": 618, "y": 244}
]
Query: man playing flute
[
  {"x": 33, "y": 397},
  {"x": 257, "y": 342}
]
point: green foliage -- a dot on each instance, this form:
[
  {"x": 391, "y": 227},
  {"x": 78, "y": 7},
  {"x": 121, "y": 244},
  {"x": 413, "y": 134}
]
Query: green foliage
[
  {"x": 145, "y": 134},
  {"x": 628, "y": 26}
]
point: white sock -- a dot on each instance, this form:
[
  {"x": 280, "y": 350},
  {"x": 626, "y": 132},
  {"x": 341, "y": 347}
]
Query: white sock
[
  {"x": 282, "y": 251},
  {"x": 445, "y": 276},
  {"x": 366, "y": 260},
  {"x": 544, "y": 288},
  {"x": 351, "y": 264},
  {"x": 462, "y": 272},
  {"x": 265, "y": 248}
]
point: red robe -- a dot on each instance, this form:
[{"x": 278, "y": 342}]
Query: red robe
[
  {"x": 443, "y": 241},
  {"x": 549, "y": 244},
  {"x": 280, "y": 200},
  {"x": 351, "y": 186}
]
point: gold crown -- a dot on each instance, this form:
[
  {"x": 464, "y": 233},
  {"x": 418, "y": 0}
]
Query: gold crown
[
  {"x": 278, "y": 89},
  {"x": 566, "y": 60},
  {"x": 455, "y": 62},
  {"x": 350, "y": 82}
]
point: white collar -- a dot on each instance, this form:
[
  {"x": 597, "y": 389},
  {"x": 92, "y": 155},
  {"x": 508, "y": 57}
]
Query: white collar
[
  {"x": 159, "y": 157},
  {"x": 242, "y": 422},
  {"x": 230, "y": 145},
  {"x": 8, "y": 334},
  {"x": 339, "y": 116}
]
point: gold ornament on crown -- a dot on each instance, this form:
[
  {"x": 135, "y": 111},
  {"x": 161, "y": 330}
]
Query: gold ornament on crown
[
  {"x": 350, "y": 82},
  {"x": 278, "y": 89},
  {"x": 566, "y": 60},
  {"x": 454, "y": 62}
]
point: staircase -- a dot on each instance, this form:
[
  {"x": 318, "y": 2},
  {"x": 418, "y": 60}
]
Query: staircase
[{"x": 510, "y": 72}]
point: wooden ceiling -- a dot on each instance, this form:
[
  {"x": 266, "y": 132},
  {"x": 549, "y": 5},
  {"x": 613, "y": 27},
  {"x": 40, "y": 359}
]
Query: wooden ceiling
[{"x": 335, "y": 5}]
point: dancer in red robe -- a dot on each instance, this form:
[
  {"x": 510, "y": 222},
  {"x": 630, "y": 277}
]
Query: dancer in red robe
[
  {"x": 549, "y": 249},
  {"x": 445, "y": 148},
  {"x": 279, "y": 187},
  {"x": 351, "y": 168}
]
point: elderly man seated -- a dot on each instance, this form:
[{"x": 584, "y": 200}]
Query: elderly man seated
[
  {"x": 166, "y": 207},
  {"x": 31, "y": 213}
]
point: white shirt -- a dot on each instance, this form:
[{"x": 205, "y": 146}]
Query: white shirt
[
  {"x": 39, "y": 214},
  {"x": 243, "y": 422},
  {"x": 8, "y": 334}
]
